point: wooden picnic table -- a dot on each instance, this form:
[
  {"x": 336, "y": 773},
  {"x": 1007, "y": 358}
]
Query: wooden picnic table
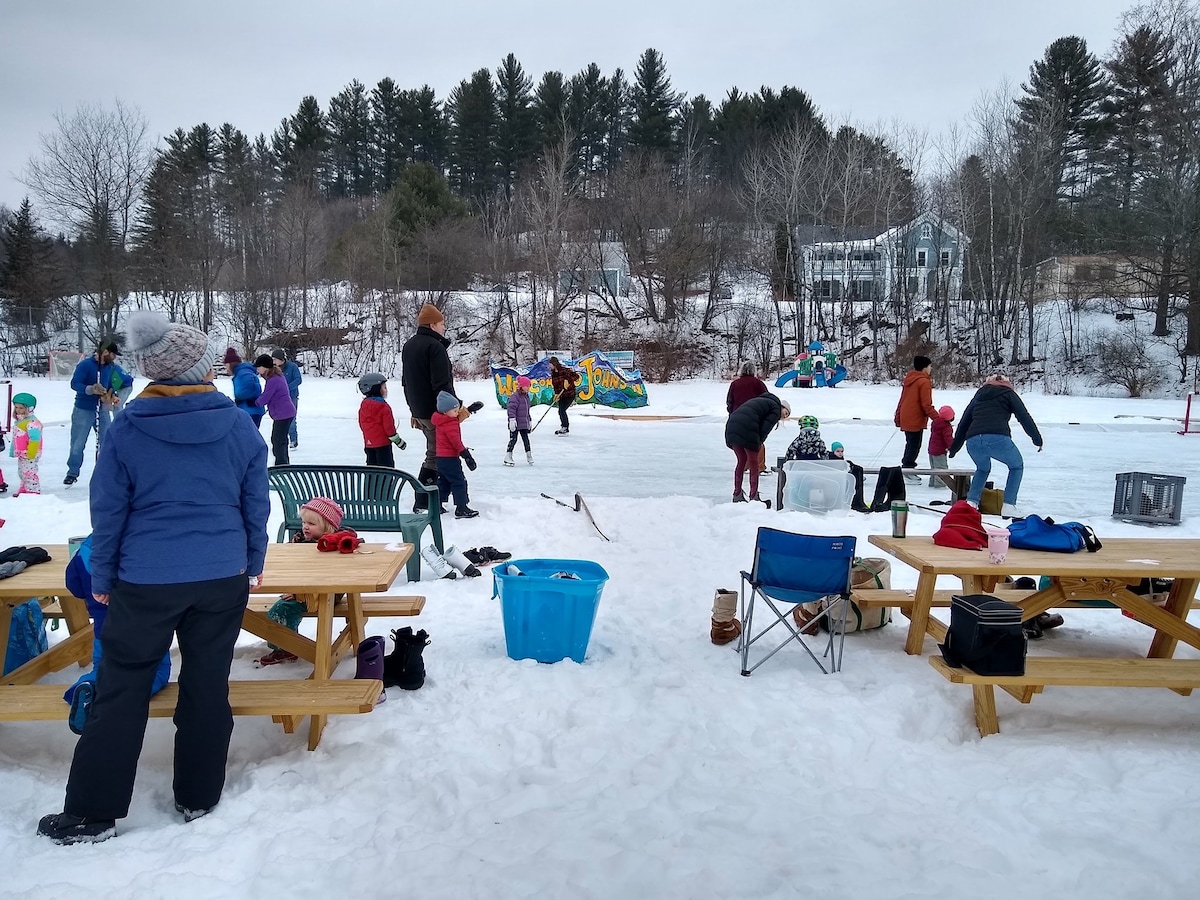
[
  {"x": 1104, "y": 575},
  {"x": 315, "y": 578}
]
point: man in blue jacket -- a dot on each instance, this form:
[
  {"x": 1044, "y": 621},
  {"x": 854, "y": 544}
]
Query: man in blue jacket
[
  {"x": 92, "y": 378},
  {"x": 179, "y": 537},
  {"x": 291, "y": 374}
]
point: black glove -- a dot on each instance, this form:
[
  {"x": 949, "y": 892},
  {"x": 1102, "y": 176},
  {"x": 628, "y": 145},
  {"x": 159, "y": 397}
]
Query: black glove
[
  {"x": 474, "y": 408},
  {"x": 468, "y": 459}
]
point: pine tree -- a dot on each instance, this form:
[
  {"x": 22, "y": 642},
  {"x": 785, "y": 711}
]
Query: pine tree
[
  {"x": 28, "y": 284},
  {"x": 516, "y": 137},
  {"x": 616, "y": 118},
  {"x": 654, "y": 105},
  {"x": 585, "y": 115},
  {"x": 1134, "y": 113},
  {"x": 550, "y": 110},
  {"x": 388, "y": 138},
  {"x": 349, "y": 133},
  {"x": 300, "y": 144},
  {"x": 473, "y": 126},
  {"x": 424, "y": 123},
  {"x": 1062, "y": 102}
]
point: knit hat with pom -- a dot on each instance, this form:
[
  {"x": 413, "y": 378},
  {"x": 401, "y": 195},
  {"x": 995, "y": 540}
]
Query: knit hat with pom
[
  {"x": 327, "y": 509},
  {"x": 166, "y": 350},
  {"x": 947, "y": 413}
]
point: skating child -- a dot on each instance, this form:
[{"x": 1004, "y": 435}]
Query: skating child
[
  {"x": 377, "y": 422},
  {"x": 319, "y": 516},
  {"x": 808, "y": 444},
  {"x": 941, "y": 436},
  {"x": 452, "y": 453},
  {"x": 519, "y": 420},
  {"x": 26, "y": 444}
]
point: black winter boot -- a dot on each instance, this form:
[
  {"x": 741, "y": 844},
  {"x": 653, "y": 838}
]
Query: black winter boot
[
  {"x": 428, "y": 477},
  {"x": 405, "y": 666},
  {"x": 889, "y": 487}
]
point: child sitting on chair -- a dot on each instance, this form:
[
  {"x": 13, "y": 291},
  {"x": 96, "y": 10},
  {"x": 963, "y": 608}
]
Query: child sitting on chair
[
  {"x": 808, "y": 444},
  {"x": 319, "y": 516}
]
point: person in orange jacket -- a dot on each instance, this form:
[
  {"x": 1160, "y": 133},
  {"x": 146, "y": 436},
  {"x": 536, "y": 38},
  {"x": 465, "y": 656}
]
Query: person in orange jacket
[{"x": 915, "y": 409}]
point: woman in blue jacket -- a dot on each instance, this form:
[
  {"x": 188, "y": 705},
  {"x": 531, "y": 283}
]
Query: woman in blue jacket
[
  {"x": 179, "y": 536},
  {"x": 246, "y": 386}
]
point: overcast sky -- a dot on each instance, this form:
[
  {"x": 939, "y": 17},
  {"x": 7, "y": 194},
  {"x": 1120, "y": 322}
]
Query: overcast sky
[{"x": 249, "y": 62}]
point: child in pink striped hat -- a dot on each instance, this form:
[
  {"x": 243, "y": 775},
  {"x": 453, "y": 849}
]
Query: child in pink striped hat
[{"x": 319, "y": 516}]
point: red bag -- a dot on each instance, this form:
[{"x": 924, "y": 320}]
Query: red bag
[{"x": 962, "y": 527}]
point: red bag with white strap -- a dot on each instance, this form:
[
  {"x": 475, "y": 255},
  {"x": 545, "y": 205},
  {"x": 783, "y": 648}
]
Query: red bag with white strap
[{"x": 962, "y": 527}]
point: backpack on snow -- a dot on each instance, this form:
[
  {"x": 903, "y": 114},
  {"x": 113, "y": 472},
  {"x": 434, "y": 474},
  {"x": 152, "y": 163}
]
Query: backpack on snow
[{"x": 871, "y": 573}]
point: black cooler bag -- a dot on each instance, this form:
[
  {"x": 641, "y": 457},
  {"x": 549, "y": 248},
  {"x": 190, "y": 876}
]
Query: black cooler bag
[{"x": 985, "y": 636}]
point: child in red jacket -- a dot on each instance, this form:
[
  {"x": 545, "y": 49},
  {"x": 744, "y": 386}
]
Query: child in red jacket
[
  {"x": 377, "y": 422},
  {"x": 452, "y": 453},
  {"x": 941, "y": 436}
]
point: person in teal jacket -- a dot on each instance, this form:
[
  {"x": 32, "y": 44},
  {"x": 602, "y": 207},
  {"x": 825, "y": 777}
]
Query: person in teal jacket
[{"x": 246, "y": 386}]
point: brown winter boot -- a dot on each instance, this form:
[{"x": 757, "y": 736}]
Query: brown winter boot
[{"x": 725, "y": 626}]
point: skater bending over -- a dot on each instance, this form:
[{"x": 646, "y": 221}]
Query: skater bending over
[
  {"x": 745, "y": 431},
  {"x": 984, "y": 431},
  {"x": 563, "y": 380}
]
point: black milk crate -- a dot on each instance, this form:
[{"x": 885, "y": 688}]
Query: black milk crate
[{"x": 1149, "y": 499}]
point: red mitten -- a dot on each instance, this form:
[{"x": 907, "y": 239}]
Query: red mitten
[
  {"x": 349, "y": 542},
  {"x": 328, "y": 543}
]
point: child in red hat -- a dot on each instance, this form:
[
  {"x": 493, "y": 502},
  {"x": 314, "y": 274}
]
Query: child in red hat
[
  {"x": 318, "y": 517},
  {"x": 941, "y": 436}
]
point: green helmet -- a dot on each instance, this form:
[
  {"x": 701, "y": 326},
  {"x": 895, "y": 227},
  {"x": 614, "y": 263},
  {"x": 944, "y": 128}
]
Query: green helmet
[{"x": 809, "y": 422}]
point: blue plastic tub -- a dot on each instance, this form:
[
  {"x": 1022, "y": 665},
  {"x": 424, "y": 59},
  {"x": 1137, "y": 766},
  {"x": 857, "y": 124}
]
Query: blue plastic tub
[{"x": 547, "y": 618}]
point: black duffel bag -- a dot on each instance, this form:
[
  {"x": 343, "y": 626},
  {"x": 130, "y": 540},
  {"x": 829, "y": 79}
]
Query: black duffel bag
[{"x": 985, "y": 635}]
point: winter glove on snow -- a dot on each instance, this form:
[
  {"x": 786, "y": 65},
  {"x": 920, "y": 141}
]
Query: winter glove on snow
[
  {"x": 468, "y": 459},
  {"x": 398, "y": 441},
  {"x": 475, "y": 407}
]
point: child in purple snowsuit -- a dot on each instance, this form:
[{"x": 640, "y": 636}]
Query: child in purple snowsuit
[
  {"x": 278, "y": 401},
  {"x": 518, "y": 420}
]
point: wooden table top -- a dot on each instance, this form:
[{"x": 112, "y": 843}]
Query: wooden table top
[
  {"x": 290, "y": 569},
  {"x": 1134, "y": 558}
]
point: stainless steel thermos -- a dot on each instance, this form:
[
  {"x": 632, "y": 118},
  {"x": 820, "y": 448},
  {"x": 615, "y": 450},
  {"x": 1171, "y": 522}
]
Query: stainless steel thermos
[{"x": 899, "y": 518}]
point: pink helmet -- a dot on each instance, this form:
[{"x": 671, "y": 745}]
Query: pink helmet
[
  {"x": 946, "y": 413},
  {"x": 523, "y": 381}
]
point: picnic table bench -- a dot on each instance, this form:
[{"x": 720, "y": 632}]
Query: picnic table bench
[
  {"x": 1179, "y": 675},
  {"x": 283, "y": 700},
  {"x": 371, "y": 498}
]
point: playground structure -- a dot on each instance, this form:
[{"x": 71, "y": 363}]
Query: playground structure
[{"x": 815, "y": 367}]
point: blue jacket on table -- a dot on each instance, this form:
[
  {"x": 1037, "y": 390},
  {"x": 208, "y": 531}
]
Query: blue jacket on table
[
  {"x": 246, "y": 389},
  {"x": 88, "y": 371},
  {"x": 179, "y": 493},
  {"x": 291, "y": 374}
]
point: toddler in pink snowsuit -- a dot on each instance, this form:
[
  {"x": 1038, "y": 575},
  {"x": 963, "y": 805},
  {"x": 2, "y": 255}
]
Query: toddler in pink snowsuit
[{"x": 26, "y": 444}]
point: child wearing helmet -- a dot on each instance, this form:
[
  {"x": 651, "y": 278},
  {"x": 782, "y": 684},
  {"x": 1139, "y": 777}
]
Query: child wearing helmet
[
  {"x": 808, "y": 444},
  {"x": 941, "y": 436},
  {"x": 26, "y": 444},
  {"x": 519, "y": 420},
  {"x": 376, "y": 421}
]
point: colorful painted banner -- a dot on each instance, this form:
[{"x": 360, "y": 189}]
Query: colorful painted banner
[{"x": 601, "y": 383}]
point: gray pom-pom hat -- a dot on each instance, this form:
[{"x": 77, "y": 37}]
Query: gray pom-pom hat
[{"x": 166, "y": 350}]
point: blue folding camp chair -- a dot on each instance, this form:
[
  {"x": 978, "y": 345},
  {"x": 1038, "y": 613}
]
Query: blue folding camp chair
[{"x": 797, "y": 568}]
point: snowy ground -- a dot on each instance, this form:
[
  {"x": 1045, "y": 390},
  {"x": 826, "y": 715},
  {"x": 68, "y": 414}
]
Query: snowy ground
[{"x": 654, "y": 769}]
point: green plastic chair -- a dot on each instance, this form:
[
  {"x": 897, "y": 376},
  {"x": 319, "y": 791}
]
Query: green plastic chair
[{"x": 371, "y": 498}]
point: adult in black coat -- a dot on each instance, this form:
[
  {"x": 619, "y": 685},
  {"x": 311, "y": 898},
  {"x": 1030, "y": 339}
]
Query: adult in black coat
[
  {"x": 745, "y": 431},
  {"x": 426, "y": 372},
  {"x": 984, "y": 430}
]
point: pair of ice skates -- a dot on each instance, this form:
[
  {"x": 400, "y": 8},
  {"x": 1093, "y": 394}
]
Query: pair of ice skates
[{"x": 508, "y": 458}]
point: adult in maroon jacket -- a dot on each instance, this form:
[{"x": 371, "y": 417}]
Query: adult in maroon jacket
[{"x": 745, "y": 387}]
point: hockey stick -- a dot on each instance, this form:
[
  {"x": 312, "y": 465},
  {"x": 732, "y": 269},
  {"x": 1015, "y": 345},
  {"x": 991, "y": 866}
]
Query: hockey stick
[
  {"x": 578, "y": 507},
  {"x": 553, "y": 403}
]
